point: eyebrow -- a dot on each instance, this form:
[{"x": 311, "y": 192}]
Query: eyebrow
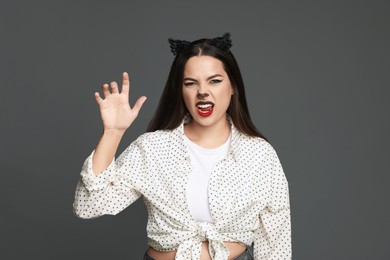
[{"x": 212, "y": 76}]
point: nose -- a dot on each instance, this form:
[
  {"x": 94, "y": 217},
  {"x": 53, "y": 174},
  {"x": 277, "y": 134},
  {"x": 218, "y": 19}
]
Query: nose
[{"x": 202, "y": 95}]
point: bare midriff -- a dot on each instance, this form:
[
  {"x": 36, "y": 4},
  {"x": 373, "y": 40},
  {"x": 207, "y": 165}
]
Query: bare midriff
[{"x": 235, "y": 249}]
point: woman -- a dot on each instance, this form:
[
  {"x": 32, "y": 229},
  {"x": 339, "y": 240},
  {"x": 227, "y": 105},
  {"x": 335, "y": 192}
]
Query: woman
[{"x": 211, "y": 182}]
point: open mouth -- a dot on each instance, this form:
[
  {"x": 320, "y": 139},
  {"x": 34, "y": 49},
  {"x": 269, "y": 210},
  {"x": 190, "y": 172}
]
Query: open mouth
[{"x": 204, "y": 108}]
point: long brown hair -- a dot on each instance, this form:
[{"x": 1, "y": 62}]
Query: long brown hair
[{"x": 171, "y": 109}]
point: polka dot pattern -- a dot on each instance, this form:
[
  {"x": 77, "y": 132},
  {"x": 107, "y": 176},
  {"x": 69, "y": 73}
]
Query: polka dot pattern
[{"x": 248, "y": 195}]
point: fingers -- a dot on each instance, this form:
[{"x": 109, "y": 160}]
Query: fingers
[
  {"x": 139, "y": 104},
  {"x": 99, "y": 100},
  {"x": 114, "y": 87},
  {"x": 125, "y": 83},
  {"x": 106, "y": 92}
]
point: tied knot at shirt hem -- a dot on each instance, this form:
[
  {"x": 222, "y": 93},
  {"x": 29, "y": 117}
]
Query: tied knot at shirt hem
[{"x": 204, "y": 232}]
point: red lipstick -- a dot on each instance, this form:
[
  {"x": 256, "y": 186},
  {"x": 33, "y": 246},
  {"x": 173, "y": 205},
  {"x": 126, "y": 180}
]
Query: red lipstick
[{"x": 204, "y": 108}]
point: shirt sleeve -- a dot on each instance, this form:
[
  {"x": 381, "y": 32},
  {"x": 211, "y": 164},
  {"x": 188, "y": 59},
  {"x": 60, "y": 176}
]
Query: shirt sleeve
[
  {"x": 273, "y": 238},
  {"x": 112, "y": 190}
]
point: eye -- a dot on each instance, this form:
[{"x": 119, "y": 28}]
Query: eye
[
  {"x": 189, "y": 83},
  {"x": 215, "y": 81}
]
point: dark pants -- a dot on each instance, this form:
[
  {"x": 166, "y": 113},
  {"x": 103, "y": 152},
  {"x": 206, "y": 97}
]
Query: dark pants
[{"x": 246, "y": 255}]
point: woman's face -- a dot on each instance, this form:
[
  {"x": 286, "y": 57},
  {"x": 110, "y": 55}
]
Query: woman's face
[{"x": 206, "y": 90}]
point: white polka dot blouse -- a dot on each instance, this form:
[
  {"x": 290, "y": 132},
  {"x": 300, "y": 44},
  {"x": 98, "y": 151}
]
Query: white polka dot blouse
[{"x": 248, "y": 195}]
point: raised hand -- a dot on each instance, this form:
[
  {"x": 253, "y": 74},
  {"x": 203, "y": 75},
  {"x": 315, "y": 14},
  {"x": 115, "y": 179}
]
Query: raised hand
[{"x": 115, "y": 109}]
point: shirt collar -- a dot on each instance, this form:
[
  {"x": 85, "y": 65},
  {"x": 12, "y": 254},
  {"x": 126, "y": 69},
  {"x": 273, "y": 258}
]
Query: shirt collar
[{"x": 233, "y": 150}]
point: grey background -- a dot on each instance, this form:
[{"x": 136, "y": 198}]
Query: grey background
[{"x": 317, "y": 79}]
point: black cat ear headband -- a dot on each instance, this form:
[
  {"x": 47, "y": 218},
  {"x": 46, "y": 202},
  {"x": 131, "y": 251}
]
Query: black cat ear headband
[{"x": 224, "y": 43}]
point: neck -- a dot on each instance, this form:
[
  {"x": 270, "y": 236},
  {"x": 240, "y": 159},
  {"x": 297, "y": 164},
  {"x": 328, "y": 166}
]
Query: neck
[{"x": 208, "y": 136}]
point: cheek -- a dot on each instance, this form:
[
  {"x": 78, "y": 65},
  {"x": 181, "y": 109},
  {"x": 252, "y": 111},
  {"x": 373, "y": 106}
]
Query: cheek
[
  {"x": 186, "y": 97},
  {"x": 227, "y": 94}
]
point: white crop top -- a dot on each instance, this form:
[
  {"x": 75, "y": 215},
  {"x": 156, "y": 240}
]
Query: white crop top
[{"x": 203, "y": 161}]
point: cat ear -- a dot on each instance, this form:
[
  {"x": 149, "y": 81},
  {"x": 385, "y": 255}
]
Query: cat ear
[
  {"x": 224, "y": 43},
  {"x": 177, "y": 46}
]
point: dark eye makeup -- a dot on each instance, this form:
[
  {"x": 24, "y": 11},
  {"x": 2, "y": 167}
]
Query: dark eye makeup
[
  {"x": 215, "y": 81},
  {"x": 189, "y": 83}
]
